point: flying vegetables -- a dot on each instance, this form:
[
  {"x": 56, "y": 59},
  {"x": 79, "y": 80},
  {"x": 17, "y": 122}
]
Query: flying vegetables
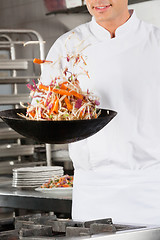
[{"x": 63, "y": 98}]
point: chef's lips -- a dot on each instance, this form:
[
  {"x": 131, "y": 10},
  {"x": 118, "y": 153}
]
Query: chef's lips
[{"x": 98, "y": 5}]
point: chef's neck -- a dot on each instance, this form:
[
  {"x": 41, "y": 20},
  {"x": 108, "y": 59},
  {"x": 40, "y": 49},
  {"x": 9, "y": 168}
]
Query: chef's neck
[{"x": 111, "y": 26}]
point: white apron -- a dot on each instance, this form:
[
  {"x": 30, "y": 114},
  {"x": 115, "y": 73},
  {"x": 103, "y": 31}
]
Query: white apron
[{"x": 117, "y": 171}]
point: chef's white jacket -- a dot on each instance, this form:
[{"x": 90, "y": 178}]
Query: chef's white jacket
[{"x": 117, "y": 170}]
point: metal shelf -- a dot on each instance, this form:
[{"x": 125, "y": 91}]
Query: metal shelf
[
  {"x": 13, "y": 64},
  {"x": 17, "y": 70},
  {"x": 17, "y": 80},
  {"x": 14, "y": 99},
  {"x": 15, "y": 150},
  {"x": 8, "y": 133}
]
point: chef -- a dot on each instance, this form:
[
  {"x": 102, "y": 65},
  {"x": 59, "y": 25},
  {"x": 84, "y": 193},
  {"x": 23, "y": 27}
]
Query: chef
[{"x": 117, "y": 170}]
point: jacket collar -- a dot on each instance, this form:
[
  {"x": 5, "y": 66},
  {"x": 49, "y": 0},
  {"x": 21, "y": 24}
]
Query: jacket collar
[{"x": 101, "y": 33}]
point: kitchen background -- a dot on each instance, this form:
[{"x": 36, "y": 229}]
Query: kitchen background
[
  {"x": 16, "y": 151},
  {"x": 37, "y": 15},
  {"x": 43, "y": 17},
  {"x": 49, "y": 18}
]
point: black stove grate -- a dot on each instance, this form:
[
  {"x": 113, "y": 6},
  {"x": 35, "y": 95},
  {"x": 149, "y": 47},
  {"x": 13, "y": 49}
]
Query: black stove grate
[{"x": 49, "y": 226}]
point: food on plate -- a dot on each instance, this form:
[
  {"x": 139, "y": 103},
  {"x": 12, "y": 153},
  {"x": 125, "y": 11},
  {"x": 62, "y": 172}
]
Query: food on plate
[{"x": 59, "y": 182}]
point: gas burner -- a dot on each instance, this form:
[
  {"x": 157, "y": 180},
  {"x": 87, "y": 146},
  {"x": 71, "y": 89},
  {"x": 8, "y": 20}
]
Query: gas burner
[{"x": 46, "y": 226}]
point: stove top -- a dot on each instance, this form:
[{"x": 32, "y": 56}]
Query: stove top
[{"x": 46, "y": 226}]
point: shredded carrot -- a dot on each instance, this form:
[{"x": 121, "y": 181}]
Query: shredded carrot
[
  {"x": 52, "y": 108},
  {"x": 55, "y": 108},
  {"x": 32, "y": 113},
  {"x": 84, "y": 60},
  {"x": 66, "y": 185},
  {"x": 77, "y": 95},
  {"x": 69, "y": 105},
  {"x": 61, "y": 92},
  {"x": 86, "y": 72},
  {"x": 74, "y": 93},
  {"x": 39, "y": 61},
  {"x": 43, "y": 87},
  {"x": 62, "y": 86},
  {"x": 81, "y": 114}
]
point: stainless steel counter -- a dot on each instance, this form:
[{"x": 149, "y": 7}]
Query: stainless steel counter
[{"x": 32, "y": 200}]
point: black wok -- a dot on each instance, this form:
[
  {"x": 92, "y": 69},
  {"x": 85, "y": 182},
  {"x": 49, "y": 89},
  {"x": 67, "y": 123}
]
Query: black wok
[{"x": 56, "y": 132}]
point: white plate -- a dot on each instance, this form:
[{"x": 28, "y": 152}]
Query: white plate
[
  {"x": 38, "y": 173},
  {"x": 38, "y": 169},
  {"x": 59, "y": 191},
  {"x": 24, "y": 186},
  {"x": 35, "y": 176}
]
